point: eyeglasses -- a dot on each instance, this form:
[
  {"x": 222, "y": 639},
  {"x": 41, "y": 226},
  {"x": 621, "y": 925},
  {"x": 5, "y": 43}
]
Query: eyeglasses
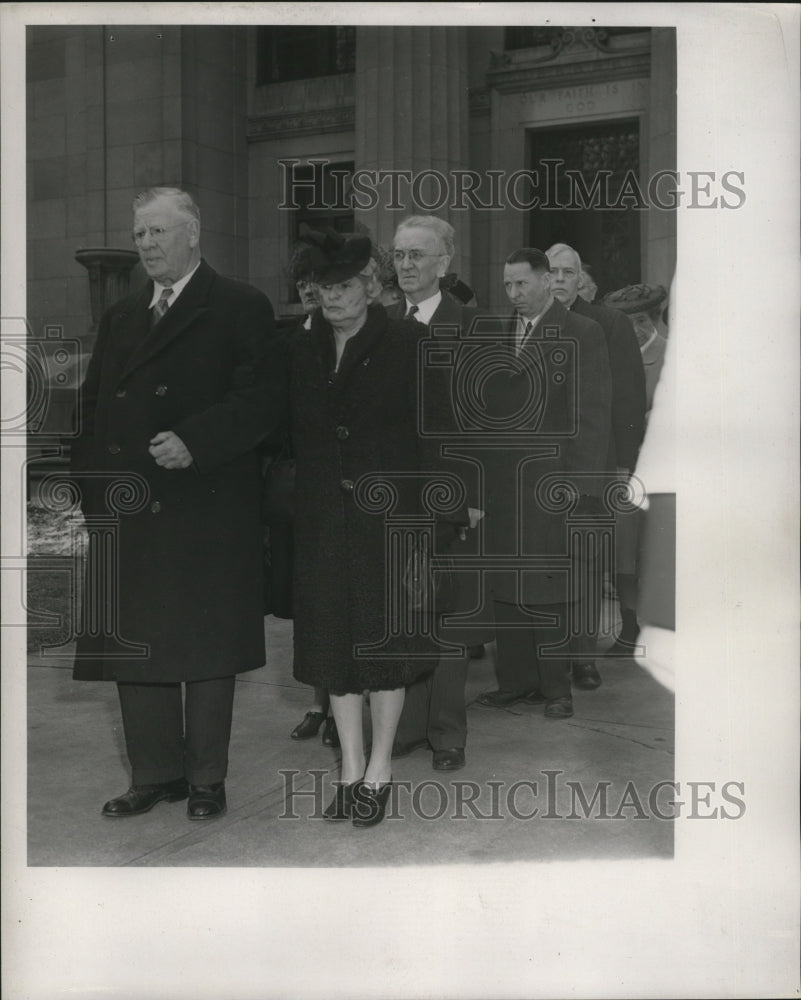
[
  {"x": 415, "y": 256},
  {"x": 156, "y": 233}
]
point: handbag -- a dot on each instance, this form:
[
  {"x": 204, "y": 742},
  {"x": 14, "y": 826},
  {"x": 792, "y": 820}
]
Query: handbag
[{"x": 278, "y": 496}]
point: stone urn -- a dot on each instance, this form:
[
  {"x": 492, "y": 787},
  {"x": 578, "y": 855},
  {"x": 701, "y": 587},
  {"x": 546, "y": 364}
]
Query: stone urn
[{"x": 109, "y": 276}]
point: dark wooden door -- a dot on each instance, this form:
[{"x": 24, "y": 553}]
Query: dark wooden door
[{"x": 593, "y": 212}]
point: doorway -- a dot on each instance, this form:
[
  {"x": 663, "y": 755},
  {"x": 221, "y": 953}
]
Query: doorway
[{"x": 605, "y": 154}]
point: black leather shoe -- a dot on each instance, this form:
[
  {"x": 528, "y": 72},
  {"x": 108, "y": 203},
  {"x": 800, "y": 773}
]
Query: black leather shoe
[
  {"x": 477, "y": 652},
  {"x": 207, "y": 801},
  {"x": 502, "y": 699},
  {"x": 370, "y": 804},
  {"x": 404, "y": 749},
  {"x": 141, "y": 798},
  {"x": 535, "y": 697},
  {"x": 586, "y": 677},
  {"x": 559, "y": 708},
  {"x": 310, "y": 726},
  {"x": 341, "y": 806},
  {"x": 449, "y": 760},
  {"x": 330, "y": 734}
]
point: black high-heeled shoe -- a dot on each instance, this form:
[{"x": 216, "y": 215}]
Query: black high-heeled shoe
[
  {"x": 370, "y": 804},
  {"x": 341, "y": 806}
]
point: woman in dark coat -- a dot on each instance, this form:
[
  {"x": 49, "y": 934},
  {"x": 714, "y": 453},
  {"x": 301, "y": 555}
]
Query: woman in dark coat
[{"x": 354, "y": 411}]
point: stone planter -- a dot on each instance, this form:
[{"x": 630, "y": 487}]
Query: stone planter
[{"x": 109, "y": 276}]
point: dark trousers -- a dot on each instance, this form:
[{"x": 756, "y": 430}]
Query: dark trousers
[
  {"x": 519, "y": 667},
  {"x": 161, "y": 746},
  {"x": 435, "y": 708}
]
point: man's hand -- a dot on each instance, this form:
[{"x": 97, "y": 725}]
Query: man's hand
[
  {"x": 169, "y": 451},
  {"x": 475, "y": 516}
]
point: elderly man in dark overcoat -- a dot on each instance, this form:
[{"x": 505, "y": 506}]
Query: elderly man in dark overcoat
[
  {"x": 178, "y": 395},
  {"x": 628, "y": 402},
  {"x": 434, "y": 713},
  {"x": 548, "y": 388}
]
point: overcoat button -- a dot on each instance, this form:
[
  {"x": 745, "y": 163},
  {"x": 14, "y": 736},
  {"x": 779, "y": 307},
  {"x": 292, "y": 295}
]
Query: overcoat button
[
  {"x": 342, "y": 433},
  {"x": 155, "y": 507},
  {"x": 121, "y": 393},
  {"x": 161, "y": 390},
  {"x": 113, "y": 449},
  {"x": 347, "y": 485}
]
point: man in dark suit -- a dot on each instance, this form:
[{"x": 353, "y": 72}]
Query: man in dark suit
[
  {"x": 550, "y": 389},
  {"x": 177, "y": 397},
  {"x": 434, "y": 711},
  {"x": 628, "y": 401}
]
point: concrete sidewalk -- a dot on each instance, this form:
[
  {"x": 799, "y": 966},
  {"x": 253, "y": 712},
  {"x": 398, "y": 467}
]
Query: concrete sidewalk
[{"x": 618, "y": 746}]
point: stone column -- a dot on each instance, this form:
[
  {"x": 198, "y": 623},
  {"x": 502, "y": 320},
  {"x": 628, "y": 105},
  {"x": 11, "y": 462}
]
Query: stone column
[
  {"x": 661, "y": 249},
  {"x": 412, "y": 114}
]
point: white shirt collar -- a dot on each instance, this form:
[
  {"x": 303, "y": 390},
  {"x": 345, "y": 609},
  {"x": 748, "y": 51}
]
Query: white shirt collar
[
  {"x": 426, "y": 308},
  {"x": 648, "y": 342},
  {"x": 522, "y": 323},
  {"x": 176, "y": 289}
]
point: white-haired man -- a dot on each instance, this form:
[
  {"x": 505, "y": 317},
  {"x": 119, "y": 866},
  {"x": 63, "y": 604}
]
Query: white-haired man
[
  {"x": 628, "y": 401},
  {"x": 434, "y": 712},
  {"x": 178, "y": 395}
]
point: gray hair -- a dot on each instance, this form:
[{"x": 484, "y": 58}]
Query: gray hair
[
  {"x": 183, "y": 202},
  {"x": 443, "y": 230},
  {"x": 559, "y": 247},
  {"x": 370, "y": 277}
]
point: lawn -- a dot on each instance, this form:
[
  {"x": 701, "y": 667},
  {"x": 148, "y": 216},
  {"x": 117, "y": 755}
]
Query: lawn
[{"x": 53, "y": 538}]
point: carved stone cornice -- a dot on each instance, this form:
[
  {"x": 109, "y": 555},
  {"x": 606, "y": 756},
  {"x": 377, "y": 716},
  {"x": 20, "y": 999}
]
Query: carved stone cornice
[
  {"x": 290, "y": 123},
  {"x": 573, "y": 56},
  {"x": 545, "y": 77}
]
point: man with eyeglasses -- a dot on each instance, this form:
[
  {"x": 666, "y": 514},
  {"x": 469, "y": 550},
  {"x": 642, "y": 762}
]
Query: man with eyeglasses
[
  {"x": 179, "y": 393},
  {"x": 434, "y": 712}
]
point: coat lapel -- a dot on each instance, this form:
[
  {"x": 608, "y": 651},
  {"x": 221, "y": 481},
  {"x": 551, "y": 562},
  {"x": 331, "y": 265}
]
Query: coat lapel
[
  {"x": 361, "y": 346},
  {"x": 129, "y": 329},
  {"x": 191, "y": 305},
  {"x": 551, "y": 323},
  {"x": 447, "y": 313},
  {"x": 357, "y": 350}
]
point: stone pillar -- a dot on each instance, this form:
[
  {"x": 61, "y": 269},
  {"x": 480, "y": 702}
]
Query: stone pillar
[
  {"x": 661, "y": 245},
  {"x": 412, "y": 114}
]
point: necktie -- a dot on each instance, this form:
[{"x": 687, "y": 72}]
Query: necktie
[
  {"x": 524, "y": 338},
  {"x": 163, "y": 304},
  {"x": 411, "y": 313}
]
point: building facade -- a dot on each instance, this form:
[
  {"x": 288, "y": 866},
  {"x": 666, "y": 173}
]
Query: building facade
[{"x": 517, "y": 135}]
